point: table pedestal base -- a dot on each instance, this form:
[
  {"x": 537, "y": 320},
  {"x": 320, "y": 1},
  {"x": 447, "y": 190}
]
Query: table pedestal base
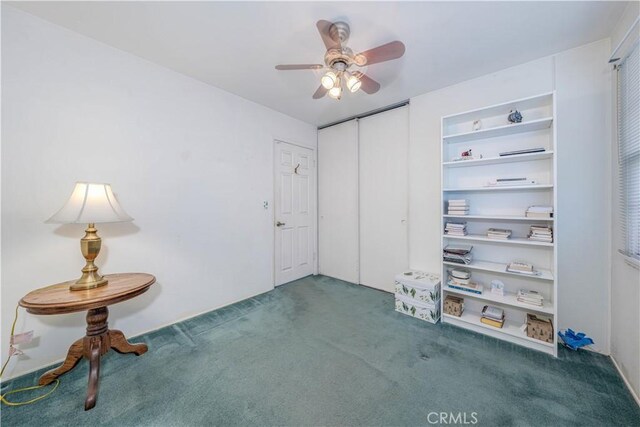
[{"x": 98, "y": 341}]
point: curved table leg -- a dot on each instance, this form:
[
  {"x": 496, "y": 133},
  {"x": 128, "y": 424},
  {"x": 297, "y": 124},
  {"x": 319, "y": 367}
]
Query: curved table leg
[
  {"x": 73, "y": 357},
  {"x": 120, "y": 344},
  {"x": 94, "y": 375}
]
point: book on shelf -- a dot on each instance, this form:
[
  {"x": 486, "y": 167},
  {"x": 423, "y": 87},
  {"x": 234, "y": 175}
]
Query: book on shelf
[
  {"x": 455, "y": 229},
  {"x": 460, "y": 254},
  {"x": 492, "y": 312},
  {"x": 522, "y": 268},
  {"x": 539, "y": 212},
  {"x": 499, "y": 233},
  {"x": 525, "y": 151},
  {"x": 540, "y": 209},
  {"x": 458, "y": 207},
  {"x": 530, "y": 297},
  {"x": 493, "y": 316},
  {"x": 505, "y": 182},
  {"x": 541, "y": 233},
  {"x": 491, "y": 322},
  {"x": 471, "y": 287},
  {"x": 457, "y": 259},
  {"x": 538, "y": 215},
  {"x": 458, "y": 249}
]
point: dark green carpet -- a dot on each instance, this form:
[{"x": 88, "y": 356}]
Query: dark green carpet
[{"x": 323, "y": 352}]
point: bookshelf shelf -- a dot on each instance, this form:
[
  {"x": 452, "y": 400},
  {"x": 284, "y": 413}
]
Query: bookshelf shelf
[
  {"x": 467, "y": 179},
  {"x": 511, "y": 241},
  {"x": 500, "y": 268},
  {"x": 509, "y": 129},
  {"x": 510, "y": 329},
  {"x": 500, "y": 188},
  {"x": 509, "y": 299},
  {"x": 498, "y": 218},
  {"x": 503, "y": 159}
]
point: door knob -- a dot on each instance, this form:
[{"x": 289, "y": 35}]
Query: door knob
[{"x": 279, "y": 224}]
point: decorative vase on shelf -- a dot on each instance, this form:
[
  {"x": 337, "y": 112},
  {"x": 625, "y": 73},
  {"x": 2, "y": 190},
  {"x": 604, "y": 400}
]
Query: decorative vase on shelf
[{"x": 477, "y": 125}]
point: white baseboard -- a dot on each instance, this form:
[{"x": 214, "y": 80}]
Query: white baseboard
[{"x": 626, "y": 381}]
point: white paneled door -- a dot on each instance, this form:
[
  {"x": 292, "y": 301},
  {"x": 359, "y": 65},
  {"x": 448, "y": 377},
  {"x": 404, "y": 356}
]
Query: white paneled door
[
  {"x": 294, "y": 212},
  {"x": 384, "y": 195}
]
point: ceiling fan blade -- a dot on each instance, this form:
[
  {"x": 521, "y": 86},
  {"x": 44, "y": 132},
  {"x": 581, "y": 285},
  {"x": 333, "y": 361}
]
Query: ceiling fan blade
[
  {"x": 299, "y": 67},
  {"x": 320, "y": 92},
  {"x": 386, "y": 52},
  {"x": 324, "y": 30},
  {"x": 369, "y": 85}
]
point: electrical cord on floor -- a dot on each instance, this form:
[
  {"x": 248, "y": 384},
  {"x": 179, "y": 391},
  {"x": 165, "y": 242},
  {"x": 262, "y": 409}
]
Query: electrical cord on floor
[{"x": 18, "y": 390}]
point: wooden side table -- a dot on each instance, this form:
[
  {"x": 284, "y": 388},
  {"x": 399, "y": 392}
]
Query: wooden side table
[{"x": 58, "y": 299}]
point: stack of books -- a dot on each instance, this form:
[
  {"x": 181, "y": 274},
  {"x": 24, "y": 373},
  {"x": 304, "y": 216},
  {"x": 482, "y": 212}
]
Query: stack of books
[
  {"x": 460, "y": 254},
  {"x": 541, "y": 233},
  {"x": 458, "y": 207},
  {"x": 522, "y": 268},
  {"x": 498, "y": 233},
  {"x": 539, "y": 212},
  {"x": 530, "y": 297},
  {"x": 461, "y": 280},
  {"x": 456, "y": 229},
  {"x": 492, "y": 316}
]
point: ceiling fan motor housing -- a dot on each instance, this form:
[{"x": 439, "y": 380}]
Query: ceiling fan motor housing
[{"x": 339, "y": 32}]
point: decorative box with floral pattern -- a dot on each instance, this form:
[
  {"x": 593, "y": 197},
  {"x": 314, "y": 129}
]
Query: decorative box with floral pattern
[
  {"x": 428, "y": 312},
  {"x": 421, "y": 286}
]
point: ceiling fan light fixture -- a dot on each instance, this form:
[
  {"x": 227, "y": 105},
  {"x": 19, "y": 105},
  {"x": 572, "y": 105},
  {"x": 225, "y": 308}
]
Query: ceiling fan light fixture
[
  {"x": 329, "y": 80},
  {"x": 335, "y": 92},
  {"x": 353, "y": 83}
]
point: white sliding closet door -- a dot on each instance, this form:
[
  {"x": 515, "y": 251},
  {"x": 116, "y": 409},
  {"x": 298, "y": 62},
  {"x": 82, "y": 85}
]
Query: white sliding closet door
[
  {"x": 384, "y": 248},
  {"x": 338, "y": 201}
]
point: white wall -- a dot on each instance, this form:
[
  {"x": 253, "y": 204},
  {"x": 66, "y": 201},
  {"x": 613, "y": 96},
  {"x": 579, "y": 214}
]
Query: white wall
[
  {"x": 625, "y": 280},
  {"x": 191, "y": 163},
  {"x": 582, "y": 80}
]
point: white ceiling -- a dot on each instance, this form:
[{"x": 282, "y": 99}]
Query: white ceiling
[{"x": 235, "y": 45}]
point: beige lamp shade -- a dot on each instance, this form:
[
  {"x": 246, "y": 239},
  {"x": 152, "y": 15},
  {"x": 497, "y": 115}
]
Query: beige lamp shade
[{"x": 88, "y": 204}]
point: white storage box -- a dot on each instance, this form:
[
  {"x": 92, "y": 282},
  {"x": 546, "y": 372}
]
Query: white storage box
[
  {"x": 418, "y": 285},
  {"x": 421, "y": 310}
]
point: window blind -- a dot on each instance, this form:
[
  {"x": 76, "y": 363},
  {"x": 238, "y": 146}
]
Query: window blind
[{"x": 629, "y": 151}]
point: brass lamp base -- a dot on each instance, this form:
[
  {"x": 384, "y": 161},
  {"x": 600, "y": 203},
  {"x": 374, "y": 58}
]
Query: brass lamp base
[{"x": 90, "y": 245}]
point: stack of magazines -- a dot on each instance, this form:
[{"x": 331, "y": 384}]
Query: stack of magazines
[
  {"x": 460, "y": 254},
  {"x": 461, "y": 280},
  {"x": 498, "y": 233},
  {"x": 522, "y": 268},
  {"x": 541, "y": 233},
  {"x": 458, "y": 207},
  {"x": 530, "y": 297},
  {"x": 492, "y": 316},
  {"x": 456, "y": 229},
  {"x": 539, "y": 212}
]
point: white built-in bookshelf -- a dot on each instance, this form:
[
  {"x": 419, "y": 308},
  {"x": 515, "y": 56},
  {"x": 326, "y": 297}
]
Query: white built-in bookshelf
[{"x": 502, "y": 207}]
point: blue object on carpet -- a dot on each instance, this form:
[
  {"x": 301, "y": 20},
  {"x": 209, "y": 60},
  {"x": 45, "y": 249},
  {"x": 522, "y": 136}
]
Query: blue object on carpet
[
  {"x": 574, "y": 341},
  {"x": 320, "y": 351}
]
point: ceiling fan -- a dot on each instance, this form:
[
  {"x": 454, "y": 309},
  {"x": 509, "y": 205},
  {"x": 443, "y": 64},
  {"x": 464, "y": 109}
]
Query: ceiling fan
[{"x": 339, "y": 59}]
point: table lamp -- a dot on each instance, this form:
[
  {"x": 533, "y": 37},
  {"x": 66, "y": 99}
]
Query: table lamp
[{"x": 90, "y": 204}]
